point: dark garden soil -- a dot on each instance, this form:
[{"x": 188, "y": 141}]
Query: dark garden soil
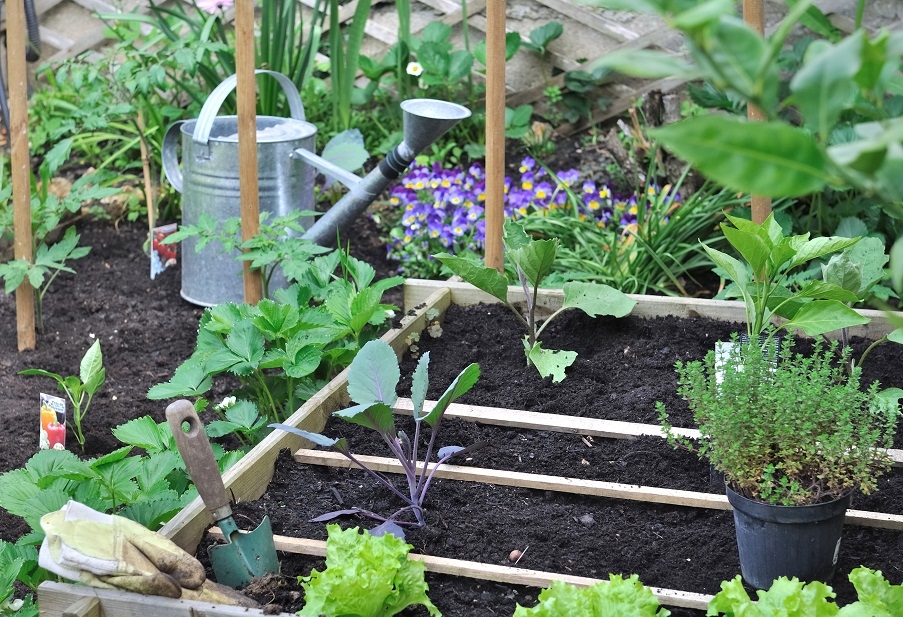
[{"x": 624, "y": 366}]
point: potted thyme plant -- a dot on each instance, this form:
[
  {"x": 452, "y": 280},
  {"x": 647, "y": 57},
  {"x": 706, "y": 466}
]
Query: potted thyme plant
[{"x": 794, "y": 440}]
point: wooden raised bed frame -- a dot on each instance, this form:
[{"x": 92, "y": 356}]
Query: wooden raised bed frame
[{"x": 249, "y": 478}]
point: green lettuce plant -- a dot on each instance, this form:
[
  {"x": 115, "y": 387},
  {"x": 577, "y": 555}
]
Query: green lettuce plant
[
  {"x": 365, "y": 576},
  {"x": 762, "y": 279},
  {"x": 533, "y": 260},
  {"x": 617, "y": 596},
  {"x": 792, "y": 598},
  {"x": 80, "y": 389}
]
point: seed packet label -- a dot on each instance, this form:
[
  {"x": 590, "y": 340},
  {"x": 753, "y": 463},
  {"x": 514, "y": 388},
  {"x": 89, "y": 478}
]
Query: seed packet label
[
  {"x": 162, "y": 256},
  {"x": 53, "y": 422}
]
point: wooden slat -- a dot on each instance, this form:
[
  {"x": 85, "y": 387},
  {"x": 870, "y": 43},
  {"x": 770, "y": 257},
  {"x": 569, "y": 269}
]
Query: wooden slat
[
  {"x": 548, "y": 300},
  {"x": 519, "y": 418},
  {"x": 593, "y": 20},
  {"x": 500, "y": 416},
  {"x": 248, "y": 479},
  {"x": 491, "y": 572},
  {"x": 58, "y": 599},
  {"x": 577, "y": 486}
]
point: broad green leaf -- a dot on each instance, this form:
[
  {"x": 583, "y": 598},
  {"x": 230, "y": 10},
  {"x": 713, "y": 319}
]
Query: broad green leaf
[
  {"x": 825, "y": 290},
  {"x": 363, "y": 306},
  {"x": 646, "y": 63},
  {"x": 820, "y": 316},
  {"x": 91, "y": 365},
  {"x": 549, "y": 362},
  {"x": 734, "y": 268},
  {"x": 47, "y": 500},
  {"x": 16, "y": 488},
  {"x": 375, "y": 416},
  {"x": 535, "y": 259},
  {"x": 764, "y": 158},
  {"x": 190, "y": 379},
  {"x": 246, "y": 342},
  {"x": 301, "y": 360},
  {"x": 485, "y": 279},
  {"x": 153, "y": 513},
  {"x": 373, "y": 375},
  {"x": 47, "y": 465},
  {"x": 896, "y": 335},
  {"x": 596, "y": 299},
  {"x": 702, "y": 14},
  {"x": 818, "y": 247},
  {"x": 461, "y": 384},
  {"x": 144, "y": 432},
  {"x": 347, "y": 150},
  {"x": 750, "y": 246},
  {"x": 419, "y": 384},
  {"x": 220, "y": 428},
  {"x": 735, "y": 59},
  {"x": 151, "y": 476},
  {"x": 460, "y": 63},
  {"x": 823, "y": 87},
  {"x": 276, "y": 320}
]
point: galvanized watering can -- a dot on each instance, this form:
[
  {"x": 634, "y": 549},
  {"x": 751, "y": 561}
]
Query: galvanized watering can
[{"x": 208, "y": 181}]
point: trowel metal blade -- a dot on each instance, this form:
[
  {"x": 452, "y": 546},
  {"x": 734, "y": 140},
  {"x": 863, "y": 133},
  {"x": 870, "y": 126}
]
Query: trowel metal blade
[{"x": 245, "y": 556}]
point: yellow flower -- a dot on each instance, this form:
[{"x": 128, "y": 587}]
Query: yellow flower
[{"x": 415, "y": 69}]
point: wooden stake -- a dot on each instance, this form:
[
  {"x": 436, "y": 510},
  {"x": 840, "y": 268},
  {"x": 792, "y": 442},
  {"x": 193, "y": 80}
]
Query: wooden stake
[
  {"x": 495, "y": 133},
  {"x": 20, "y": 167},
  {"x": 246, "y": 93},
  {"x": 754, "y": 15},
  {"x": 148, "y": 185},
  {"x": 575, "y": 486}
]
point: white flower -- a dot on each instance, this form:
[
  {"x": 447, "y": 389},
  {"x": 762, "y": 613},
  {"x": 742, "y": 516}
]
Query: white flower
[
  {"x": 415, "y": 69},
  {"x": 423, "y": 85},
  {"x": 212, "y": 6},
  {"x": 228, "y": 402}
]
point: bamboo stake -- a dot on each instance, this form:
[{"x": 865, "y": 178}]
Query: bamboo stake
[
  {"x": 20, "y": 167},
  {"x": 495, "y": 133},
  {"x": 246, "y": 93},
  {"x": 754, "y": 15},
  {"x": 148, "y": 187}
]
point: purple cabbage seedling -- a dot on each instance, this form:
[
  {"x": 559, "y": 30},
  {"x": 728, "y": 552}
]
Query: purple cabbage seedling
[{"x": 372, "y": 380}]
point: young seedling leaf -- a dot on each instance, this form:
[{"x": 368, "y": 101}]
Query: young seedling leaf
[
  {"x": 374, "y": 374},
  {"x": 596, "y": 299},
  {"x": 334, "y": 514},
  {"x": 535, "y": 259},
  {"x": 388, "y": 527},
  {"x": 420, "y": 382},
  {"x": 896, "y": 335},
  {"x": 449, "y": 451},
  {"x": 485, "y": 279},
  {"x": 91, "y": 365},
  {"x": 315, "y": 438},
  {"x": 375, "y": 416},
  {"x": 550, "y": 362},
  {"x": 462, "y": 383}
]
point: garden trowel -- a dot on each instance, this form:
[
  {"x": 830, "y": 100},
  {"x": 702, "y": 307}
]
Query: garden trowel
[{"x": 245, "y": 555}]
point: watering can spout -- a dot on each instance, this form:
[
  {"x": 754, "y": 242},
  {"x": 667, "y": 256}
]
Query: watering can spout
[{"x": 425, "y": 121}]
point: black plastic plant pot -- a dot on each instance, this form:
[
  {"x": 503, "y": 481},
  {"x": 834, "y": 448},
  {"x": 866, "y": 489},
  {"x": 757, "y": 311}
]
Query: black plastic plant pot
[{"x": 775, "y": 541}]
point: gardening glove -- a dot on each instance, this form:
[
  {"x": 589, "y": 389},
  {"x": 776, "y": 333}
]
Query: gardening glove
[{"x": 113, "y": 552}]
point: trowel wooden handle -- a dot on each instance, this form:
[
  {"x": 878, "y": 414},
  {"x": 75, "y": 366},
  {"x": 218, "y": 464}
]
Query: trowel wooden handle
[{"x": 195, "y": 449}]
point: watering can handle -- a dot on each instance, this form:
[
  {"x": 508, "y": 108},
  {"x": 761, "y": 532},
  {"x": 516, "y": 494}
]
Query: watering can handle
[
  {"x": 170, "y": 158},
  {"x": 211, "y": 106}
]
